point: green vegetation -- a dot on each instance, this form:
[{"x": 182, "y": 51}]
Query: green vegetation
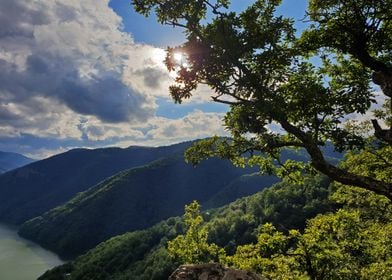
[
  {"x": 313, "y": 230},
  {"x": 255, "y": 62},
  {"x": 143, "y": 254},
  {"x": 136, "y": 255},
  {"x": 306, "y": 84},
  {"x": 343, "y": 245},
  {"x": 32, "y": 190},
  {"x": 353, "y": 242},
  {"x": 134, "y": 199},
  {"x": 193, "y": 246}
]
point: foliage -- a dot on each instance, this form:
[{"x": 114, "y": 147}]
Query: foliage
[
  {"x": 352, "y": 243},
  {"x": 267, "y": 257},
  {"x": 347, "y": 244},
  {"x": 135, "y": 255},
  {"x": 142, "y": 254},
  {"x": 133, "y": 199},
  {"x": 286, "y": 206},
  {"x": 254, "y": 62},
  {"x": 193, "y": 247},
  {"x": 374, "y": 162}
]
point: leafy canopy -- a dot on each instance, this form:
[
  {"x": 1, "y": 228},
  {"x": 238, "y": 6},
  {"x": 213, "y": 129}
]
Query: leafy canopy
[
  {"x": 351, "y": 243},
  {"x": 254, "y": 62},
  {"x": 193, "y": 246}
]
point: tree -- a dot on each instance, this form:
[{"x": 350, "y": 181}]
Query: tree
[
  {"x": 254, "y": 62},
  {"x": 193, "y": 246},
  {"x": 341, "y": 245}
]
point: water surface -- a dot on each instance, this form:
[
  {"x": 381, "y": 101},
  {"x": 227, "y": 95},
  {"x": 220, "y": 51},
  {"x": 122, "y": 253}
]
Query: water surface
[{"x": 21, "y": 259}]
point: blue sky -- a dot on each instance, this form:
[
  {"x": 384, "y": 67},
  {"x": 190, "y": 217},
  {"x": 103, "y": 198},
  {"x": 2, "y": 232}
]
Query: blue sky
[
  {"x": 90, "y": 74},
  {"x": 147, "y": 30}
]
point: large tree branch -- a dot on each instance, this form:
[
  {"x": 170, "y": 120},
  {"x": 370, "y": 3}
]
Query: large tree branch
[
  {"x": 382, "y": 72},
  {"x": 382, "y": 134},
  {"x": 340, "y": 175}
]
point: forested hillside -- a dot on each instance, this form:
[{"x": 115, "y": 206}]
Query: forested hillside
[
  {"x": 136, "y": 199},
  {"x": 143, "y": 254},
  {"x": 142, "y": 196},
  {"x": 30, "y": 191}
]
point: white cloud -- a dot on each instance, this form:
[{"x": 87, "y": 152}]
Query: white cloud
[
  {"x": 196, "y": 124},
  {"x": 74, "y": 52},
  {"x": 70, "y": 75},
  {"x": 380, "y": 100}
]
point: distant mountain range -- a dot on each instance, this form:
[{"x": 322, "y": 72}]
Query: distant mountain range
[
  {"x": 30, "y": 191},
  {"x": 9, "y": 161},
  {"x": 82, "y": 197},
  {"x": 71, "y": 202},
  {"x": 134, "y": 199}
]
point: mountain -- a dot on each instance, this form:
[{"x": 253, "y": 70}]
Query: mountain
[
  {"x": 31, "y": 190},
  {"x": 134, "y": 199},
  {"x": 75, "y": 200},
  {"x": 244, "y": 185},
  {"x": 142, "y": 255},
  {"x": 9, "y": 161}
]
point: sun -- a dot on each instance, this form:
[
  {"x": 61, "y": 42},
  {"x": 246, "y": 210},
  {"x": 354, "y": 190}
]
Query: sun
[
  {"x": 158, "y": 56},
  {"x": 178, "y": 56},
  {"x": 180, "y": 59}
]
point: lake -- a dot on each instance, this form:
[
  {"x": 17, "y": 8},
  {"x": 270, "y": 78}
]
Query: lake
[{"x": 21, "y": 259}]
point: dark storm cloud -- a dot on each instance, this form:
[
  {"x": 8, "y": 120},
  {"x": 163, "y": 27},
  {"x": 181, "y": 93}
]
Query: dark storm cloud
[{"x": 103, "y": 96}]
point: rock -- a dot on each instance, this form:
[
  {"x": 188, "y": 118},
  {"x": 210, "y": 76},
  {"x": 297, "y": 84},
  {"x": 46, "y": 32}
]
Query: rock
[{"x": 211, "y": 271}]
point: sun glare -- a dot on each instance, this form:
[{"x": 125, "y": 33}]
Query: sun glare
[
  {"x": 180, "y": 59},
  {"x": 177, "y": 56},
  {"x": 158, "y": 56}
]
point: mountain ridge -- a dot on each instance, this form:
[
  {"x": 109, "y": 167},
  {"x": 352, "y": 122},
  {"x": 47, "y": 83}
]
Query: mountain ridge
[
  {"x": 131, "y": 200},
  {"x": 10, "y": 161},
  {"x": 142, "y": 254},
  {"x": 31, "y": 190}
]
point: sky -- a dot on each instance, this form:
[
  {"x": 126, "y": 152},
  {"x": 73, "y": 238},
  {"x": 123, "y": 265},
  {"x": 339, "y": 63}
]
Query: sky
[{"x": 90, "y": 74}]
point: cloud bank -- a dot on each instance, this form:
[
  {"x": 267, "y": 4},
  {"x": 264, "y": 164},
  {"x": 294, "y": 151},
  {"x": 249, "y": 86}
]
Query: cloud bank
[
  {"x": 70, "y": 74},
  {"x": 73, "y": 52}
]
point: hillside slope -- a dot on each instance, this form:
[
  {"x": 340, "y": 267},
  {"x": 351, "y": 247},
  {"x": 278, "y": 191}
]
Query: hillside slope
[
  {"x": 133, "y": 199},
  {"x": 141, "y": 255},
  {"x": 31, "y": 190}
]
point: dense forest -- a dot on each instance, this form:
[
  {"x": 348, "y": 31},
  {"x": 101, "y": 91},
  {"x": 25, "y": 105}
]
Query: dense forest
[
  {"x": 138, "y": 198},
  {"x": 143, "y": 254},
  {"x": 312, "y": 230},
  {"x": 31, "y": 190}
]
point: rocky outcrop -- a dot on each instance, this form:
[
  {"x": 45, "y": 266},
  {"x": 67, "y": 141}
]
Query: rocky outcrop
[{"x": 211, "y": 272}]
